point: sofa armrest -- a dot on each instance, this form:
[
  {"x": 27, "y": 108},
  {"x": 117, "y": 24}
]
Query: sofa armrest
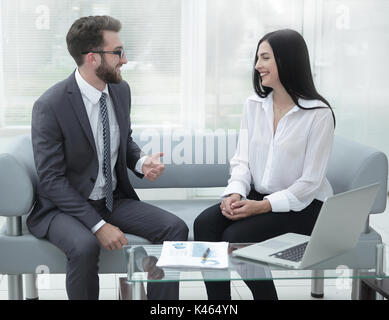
[{"x": 16, "y": 189}]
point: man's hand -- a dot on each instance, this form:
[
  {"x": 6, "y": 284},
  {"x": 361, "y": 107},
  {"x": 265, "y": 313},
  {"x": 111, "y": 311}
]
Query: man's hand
[
  {"x": 246, "y": 208},
  {"x": 225, "y": 206},
  {"x": 110, "y": 237},
  {"x": 152, "y": 168}
]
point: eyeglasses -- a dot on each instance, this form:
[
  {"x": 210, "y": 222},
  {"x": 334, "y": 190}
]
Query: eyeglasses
[{"x": 119, "y": 53}]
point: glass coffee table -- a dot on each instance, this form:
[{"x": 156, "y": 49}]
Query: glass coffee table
[{"x": 141, "y": 268}]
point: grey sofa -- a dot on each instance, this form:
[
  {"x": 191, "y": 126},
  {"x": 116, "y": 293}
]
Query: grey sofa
[{"x": 351, "y": 165}]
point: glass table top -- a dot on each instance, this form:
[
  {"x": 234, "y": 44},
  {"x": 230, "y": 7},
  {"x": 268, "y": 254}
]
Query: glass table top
[{"x": 142, "y": 259}]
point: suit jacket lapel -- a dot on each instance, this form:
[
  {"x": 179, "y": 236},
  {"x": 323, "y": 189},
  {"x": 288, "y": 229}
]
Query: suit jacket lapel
[
  {"x": 79, "y": 109},
  {"x": 119, "y": 115}
]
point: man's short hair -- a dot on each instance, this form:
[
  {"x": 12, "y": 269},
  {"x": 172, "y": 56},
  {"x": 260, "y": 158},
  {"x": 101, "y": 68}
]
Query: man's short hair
[{"x": 86, "y": 34}]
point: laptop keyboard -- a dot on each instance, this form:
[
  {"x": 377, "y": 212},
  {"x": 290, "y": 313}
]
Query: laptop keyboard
[{"x": 292, "y": 254}]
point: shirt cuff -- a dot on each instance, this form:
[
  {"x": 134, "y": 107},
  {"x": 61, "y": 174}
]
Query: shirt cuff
[
  {"x": 98, "y": 226},
  {"x": 279, "y": 201},
  {"x": 227, "y": 195},
  {"x": 234, "y": 187},
  {"x": 139, "y": 164}
]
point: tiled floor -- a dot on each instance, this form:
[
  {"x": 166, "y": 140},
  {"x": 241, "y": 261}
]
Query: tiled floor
[{"x": 286, "y": 289}]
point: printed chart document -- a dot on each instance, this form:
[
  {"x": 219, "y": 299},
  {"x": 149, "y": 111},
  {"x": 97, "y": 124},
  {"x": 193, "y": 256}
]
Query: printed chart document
[{"x": 196, "y": 254}]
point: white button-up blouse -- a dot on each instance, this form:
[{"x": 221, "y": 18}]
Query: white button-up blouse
[{"x": 290, "y": 165}]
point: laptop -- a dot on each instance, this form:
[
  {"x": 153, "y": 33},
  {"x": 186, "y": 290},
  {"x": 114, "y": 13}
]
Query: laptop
[{"x": 337, "y": 229}]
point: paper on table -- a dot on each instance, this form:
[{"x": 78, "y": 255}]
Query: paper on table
[{"x": 190, "y": 254}]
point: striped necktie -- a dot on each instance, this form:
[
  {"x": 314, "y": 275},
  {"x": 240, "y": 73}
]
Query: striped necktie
[{"x": 107, "y": 152}]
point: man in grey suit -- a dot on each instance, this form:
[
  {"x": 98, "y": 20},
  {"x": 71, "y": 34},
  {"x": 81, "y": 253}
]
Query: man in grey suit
[{"x": 81, "y": 136}]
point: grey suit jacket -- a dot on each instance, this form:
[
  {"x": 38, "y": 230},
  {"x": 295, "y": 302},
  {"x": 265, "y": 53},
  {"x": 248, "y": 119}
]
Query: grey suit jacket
[{"x": 65, "y": 154}]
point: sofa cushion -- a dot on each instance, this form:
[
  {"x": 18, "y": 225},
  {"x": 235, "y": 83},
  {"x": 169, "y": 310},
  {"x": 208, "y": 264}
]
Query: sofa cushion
[{"x": 25, "y": 253}]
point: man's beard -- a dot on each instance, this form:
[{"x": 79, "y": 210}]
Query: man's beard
[{"x": 107, "y": 74}]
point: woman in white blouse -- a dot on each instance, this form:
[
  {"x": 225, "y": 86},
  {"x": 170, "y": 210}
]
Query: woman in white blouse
[{"x": 278, "y": 173}]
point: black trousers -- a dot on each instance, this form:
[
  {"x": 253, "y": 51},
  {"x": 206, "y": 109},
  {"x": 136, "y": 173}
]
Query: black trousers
[{"x": 211, "y": 225}]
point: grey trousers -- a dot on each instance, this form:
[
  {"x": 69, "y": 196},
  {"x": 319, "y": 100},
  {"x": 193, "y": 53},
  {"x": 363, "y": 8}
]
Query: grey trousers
[{"x": 82, "y": 248}]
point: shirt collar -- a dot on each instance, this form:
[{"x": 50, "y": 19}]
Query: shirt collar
[
  {"x": 89, "y": 91},
  {"x": 267, "y": 103}
]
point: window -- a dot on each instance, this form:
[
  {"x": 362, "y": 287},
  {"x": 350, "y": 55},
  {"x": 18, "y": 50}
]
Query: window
[
  {"x": 233, "y": 31},
  {"x": 189, "y": 62},
  {"x": 352, "y": 67},
  {"x": 35, "y": 55}
]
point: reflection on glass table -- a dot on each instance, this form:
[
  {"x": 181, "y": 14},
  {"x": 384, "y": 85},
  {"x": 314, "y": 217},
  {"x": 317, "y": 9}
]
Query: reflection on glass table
[{"x": 142, "y": 259}]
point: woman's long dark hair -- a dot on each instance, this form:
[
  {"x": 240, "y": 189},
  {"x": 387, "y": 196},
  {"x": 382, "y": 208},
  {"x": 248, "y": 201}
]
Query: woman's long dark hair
[{"x": 294, "y": 70}]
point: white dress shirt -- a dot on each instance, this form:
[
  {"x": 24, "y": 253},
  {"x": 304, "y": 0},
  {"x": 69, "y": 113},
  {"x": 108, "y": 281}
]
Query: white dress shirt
[
  {"x": 91, "y": 97},
  {"x": 289, "y": 165}
]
